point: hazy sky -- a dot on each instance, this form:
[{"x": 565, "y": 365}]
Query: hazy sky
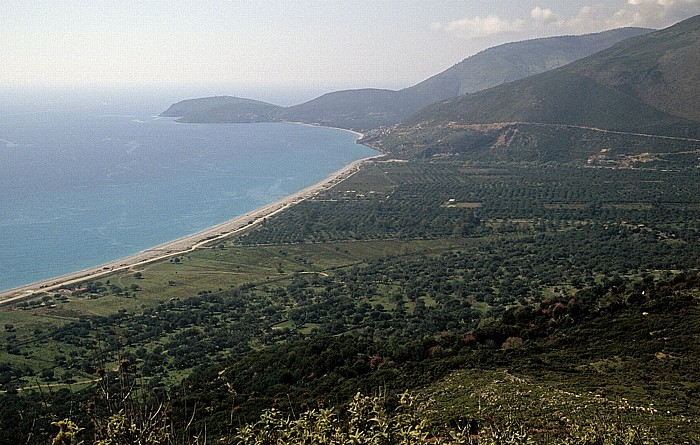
[{"x": 300, "y": 44}]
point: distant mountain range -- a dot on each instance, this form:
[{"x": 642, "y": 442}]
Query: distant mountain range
[
  {"x": 363, "y": 109},
  {"x": 606, "y": 96},
  {"x": 645, "y": 85}
]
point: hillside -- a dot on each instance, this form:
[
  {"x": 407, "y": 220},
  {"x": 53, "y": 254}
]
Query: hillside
[
  {"x": 363, "y": 109},
  {"x": 608, "y": 91},
  {"x": 661, "y": 69},
  {"x": 357, "y": 109}
]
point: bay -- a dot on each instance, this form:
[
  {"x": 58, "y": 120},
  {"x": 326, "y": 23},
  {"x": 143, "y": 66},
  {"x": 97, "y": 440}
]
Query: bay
[{"x": 84, "y": 182}]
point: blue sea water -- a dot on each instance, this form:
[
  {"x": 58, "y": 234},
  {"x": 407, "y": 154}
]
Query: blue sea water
[{"x": 84, "y": 182}]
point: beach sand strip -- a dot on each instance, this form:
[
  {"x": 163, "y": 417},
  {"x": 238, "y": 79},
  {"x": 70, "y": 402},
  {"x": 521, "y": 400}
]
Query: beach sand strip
[{"x": 185, "y": 244}]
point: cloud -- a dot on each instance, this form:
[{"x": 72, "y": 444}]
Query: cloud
[
  {"x": 468, "y": 28},
  {"x": 587, "y": 19},
  {"x": 543, "y": 15},
  {"x": 664, "y": 3},
  {"x": 654, "y": 13},
  {"x": 595, "y": 16},
  {"x": 642, "y": 13}
]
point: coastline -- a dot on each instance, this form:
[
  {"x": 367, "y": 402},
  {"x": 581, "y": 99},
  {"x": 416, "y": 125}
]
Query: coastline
[{"x": 187, "y": 243}]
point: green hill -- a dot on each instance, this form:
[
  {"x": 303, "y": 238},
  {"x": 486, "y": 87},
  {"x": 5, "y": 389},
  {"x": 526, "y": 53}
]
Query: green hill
[
  {"x": 356, "y": 109},
  {"x": 558, "y": 97}
]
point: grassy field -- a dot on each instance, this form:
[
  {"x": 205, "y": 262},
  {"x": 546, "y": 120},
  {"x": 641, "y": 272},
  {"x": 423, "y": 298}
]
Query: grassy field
[{"x": 205, "y": 270}]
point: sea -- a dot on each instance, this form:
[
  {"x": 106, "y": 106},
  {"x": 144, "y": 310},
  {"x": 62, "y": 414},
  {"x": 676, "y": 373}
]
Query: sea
[{"x": 90, "y": 178}]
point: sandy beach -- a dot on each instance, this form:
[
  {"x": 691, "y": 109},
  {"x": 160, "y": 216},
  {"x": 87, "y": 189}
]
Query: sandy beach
[{"x": 185, "y": 244}]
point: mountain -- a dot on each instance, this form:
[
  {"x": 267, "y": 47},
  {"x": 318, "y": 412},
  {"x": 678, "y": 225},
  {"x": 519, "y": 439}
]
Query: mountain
[
  {"x": 356, "y": 109},
  {"x": 644, "y": 85},
  {"x": 363, "y": 109},
  {"x": 513, "y": 61},
  {"x": 359, "y": 109},
  {"x": 660, "y": 69}
]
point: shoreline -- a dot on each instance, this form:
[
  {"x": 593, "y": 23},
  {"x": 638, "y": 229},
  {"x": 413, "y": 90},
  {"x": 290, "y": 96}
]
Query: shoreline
[{"x": 186, "y": 243}]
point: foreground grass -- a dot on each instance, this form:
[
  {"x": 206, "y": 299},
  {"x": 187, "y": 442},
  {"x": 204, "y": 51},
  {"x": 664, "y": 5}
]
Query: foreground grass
[
  {"x": 547, "y": 409},
  {"x": 564, "y": 419}
]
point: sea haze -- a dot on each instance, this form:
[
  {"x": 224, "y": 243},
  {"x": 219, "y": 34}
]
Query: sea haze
[{"x": 84, "y": 182}]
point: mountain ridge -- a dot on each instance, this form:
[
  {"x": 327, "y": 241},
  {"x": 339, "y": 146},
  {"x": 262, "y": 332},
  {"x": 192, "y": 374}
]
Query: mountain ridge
[
  {"x": 515, "y": 60},
  {"x": 366, "y": 108},
  {"x": 604, "y": 91}
]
